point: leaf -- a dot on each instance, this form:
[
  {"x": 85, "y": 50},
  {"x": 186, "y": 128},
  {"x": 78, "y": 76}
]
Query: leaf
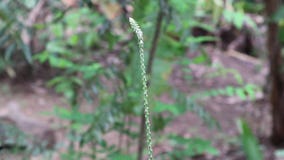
[
  {"x": 56, "y": 80},
  {"x": 56, "y": 47},
  {"x": 3, "y": 15},
  {"x": 72, "y": 19},
  {"x": 57, "y": 30},
  {"x": 251, "y": 90},
  {"x": 249, "y": 141},
  {"x": 214, "y": 92},
  {"x": 252, "y": 7},
  {"x": 159, "y": 122},
  {"x": 76, "y": 116},
  {"x": 239, "y": 19},
  {"x": 241, "y": 93},
  {"x": 60, "y": 62},
  {"x": 205, "y": 26},
  {"x": 73, "y": 40},
  {"x": 4, "y": 29},
  {"x": 230, "y": 91},
  {"x": 90, "y": 39},
  {"x": 163, "y": 107},
  {"x": 170, "y": 48},
  {"x": 42, "y": 57},
  {"x": 228, "y": 15},
  {"x": 9, "y": 51},
  {"x": 77, "y": 126},
  {"x": 27, "y": 52},
  {"x": 202, "y": 58},
  {"x": 62, "y": 112},
  {"x": 200, "y": 146},
  {"x": 119, "y": 156},
  {"x": 4, "y": 39},
  {"x": 183, "y": 6},
  {"x": 200, "y": 39},
  {"x": 142, "y": 5},
  {"x": 250, "y": 22},
  {"x": 89, "y": 71},
  {"x": 192, "y": 146},
  {"x": 221, "y": 91}
]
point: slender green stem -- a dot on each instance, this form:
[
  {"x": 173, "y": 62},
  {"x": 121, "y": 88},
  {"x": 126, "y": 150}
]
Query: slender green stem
[{"x": 139, "y": 35}]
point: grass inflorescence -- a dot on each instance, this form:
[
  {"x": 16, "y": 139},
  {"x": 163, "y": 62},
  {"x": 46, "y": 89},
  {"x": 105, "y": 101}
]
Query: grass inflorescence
[{"x": 139, "y": 35}]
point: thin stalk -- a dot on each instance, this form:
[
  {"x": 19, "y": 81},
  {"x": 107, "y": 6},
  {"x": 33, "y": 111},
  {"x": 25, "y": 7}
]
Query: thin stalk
[{"x": 145, "y": 119}]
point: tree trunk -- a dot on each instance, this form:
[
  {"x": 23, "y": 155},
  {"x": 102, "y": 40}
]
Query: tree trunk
[{"x": 276, "y": 74}]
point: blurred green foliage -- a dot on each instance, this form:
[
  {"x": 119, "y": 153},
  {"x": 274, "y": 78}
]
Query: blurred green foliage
[
  {"x": 12, "y": 30},
  {"x": 249, "y": 141}
]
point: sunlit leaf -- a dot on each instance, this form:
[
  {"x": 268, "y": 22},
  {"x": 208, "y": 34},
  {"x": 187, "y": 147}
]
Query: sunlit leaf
[
  {"x": 60, "y": 62},
  {"x": 56, "y": 47},
  {"x": 73, "y": 40},
  {"x": 163, "y": 107},
  {"x": 241, "y": 93},
  {"x": 42, "y": 57},
  {"x": 230, "y": 91},
  {"x": 251, "y": 90}
]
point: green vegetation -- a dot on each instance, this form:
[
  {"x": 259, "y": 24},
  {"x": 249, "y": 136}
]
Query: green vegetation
[{"x": 87, "y": 53}]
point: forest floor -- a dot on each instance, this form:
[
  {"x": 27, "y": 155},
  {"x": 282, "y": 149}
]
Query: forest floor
[
  {"x": 227, "y": 110},
  {"x": 37, "y": 103}
]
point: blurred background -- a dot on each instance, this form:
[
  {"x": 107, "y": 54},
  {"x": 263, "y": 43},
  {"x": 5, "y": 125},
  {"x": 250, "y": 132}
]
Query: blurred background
[{"x": 71, "y": 84}]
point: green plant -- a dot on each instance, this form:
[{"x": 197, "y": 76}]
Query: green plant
[
  {"x": 189, "y": 147},
  {"x": 232, "y": 12},
  {"x": 244, "y": 92},
  {"x": 13, "y": 32},
  {"x": 139, "y": 34},
  {"x": 249, "y": 141},
  {"x": 80, "y": 58},
  {"x": 72, "y": 55}
]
